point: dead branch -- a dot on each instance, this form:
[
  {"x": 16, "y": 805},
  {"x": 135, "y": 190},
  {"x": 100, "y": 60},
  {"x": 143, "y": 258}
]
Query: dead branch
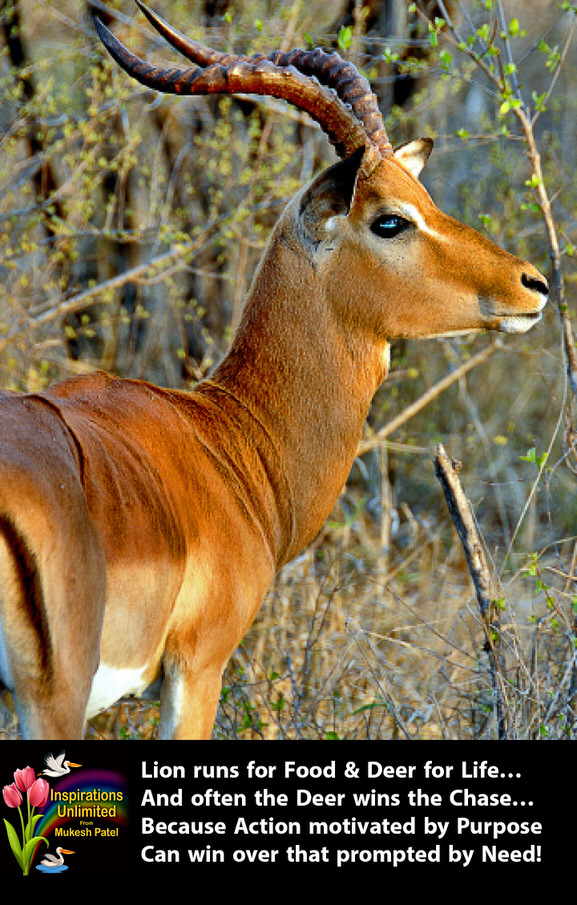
[{"x": 446, "y": 470}]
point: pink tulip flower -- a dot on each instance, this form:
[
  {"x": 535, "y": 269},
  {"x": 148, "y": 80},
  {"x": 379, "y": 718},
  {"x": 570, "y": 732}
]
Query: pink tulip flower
[
  {"x": 24, "y": 778},
  {"x": 12, "y": 795},
  {"x": 38, "y": 793}
]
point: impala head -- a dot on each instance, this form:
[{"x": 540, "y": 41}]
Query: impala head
[
  {"x": 391, "y": 261},
  {"x": 395, "y": 260}
]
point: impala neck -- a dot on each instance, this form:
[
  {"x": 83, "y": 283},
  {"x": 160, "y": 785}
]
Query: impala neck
[{"x": 308, "y": 381}]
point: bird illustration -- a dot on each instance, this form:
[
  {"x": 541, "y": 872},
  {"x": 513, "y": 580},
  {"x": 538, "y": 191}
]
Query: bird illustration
[
  {"x": 56, "y": 860},
  {"x": 57, "y": 766}
]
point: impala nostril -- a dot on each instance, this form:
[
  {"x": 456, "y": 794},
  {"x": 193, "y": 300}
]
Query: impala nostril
[{"x": 535, "y": 283}]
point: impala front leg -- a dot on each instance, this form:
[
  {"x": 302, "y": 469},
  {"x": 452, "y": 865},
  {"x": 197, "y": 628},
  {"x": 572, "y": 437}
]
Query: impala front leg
[
  {"x": 209, "y": 622},
  {"x": 189, "y": 701}
]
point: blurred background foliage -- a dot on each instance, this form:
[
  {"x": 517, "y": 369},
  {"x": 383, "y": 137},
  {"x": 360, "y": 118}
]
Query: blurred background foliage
[{"x": 130, "y": 227}]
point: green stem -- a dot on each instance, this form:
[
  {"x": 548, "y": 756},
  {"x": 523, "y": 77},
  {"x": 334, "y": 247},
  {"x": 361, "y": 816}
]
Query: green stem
[{"x": 22, "y": 825}]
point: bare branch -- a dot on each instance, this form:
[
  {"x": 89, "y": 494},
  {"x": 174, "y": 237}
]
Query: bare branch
[{"x": 446, "y": 470}]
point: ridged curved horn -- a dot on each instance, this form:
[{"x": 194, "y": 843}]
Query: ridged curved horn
[
  {"x": 230, "y": 74},
  {"x": 329, "y": 68}
]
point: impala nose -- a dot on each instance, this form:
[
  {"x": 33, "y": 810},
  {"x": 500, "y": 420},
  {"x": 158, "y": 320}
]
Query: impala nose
[{"x": 536, "y": 284}]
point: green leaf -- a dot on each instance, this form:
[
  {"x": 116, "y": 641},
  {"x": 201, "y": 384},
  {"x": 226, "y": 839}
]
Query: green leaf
[
  {"x": 534, "y": 181},
  {"x": 390, "y": 56},
  {"x": 446, "y": 59},
  {"x": 345, "y": 38},
  {"x": 30, "y": 846},
  {"x": 514, "y": 27},
  {"x": 30, "y": 826},
  {"x": 531, "y": 456},
  {"x": 532, "y": 206},
  {"x": 14, "y": 843}
]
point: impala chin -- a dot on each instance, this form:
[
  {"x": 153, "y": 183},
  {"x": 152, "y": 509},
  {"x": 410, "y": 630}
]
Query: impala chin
[{"x": 519, "y": 323}]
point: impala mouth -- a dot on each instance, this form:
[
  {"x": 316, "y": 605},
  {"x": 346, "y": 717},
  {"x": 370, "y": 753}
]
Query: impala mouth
[
  {"x": 519, "y": 323},
  {"x": 515, "y": 322}
]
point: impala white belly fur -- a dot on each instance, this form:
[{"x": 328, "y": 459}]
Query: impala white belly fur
[{"x": 111, "y": 684}]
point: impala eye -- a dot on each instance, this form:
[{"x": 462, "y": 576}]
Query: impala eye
[{"x": 388, "y": 226}]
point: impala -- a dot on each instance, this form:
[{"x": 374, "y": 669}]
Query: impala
[{"x": 140, "y": 527}]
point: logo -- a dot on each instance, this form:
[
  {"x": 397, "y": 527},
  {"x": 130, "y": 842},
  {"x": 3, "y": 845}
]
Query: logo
[{"x": 63, "y": 812}]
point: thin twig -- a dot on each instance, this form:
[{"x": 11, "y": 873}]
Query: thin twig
[
  {"x": 446, "y": 470},
  {"x": 509, "y": 52},
  {"x": 557, "y": 72},
  {"x": 554, "y": 250}
]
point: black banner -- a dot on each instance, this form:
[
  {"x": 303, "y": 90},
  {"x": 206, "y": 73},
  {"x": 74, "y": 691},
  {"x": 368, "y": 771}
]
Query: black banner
[{"x": 325, "y": 810}]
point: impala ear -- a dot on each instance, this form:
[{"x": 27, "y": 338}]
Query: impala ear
[
  {"x": 330, "y": 195},
  {"x": 414, "y": 154}
]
